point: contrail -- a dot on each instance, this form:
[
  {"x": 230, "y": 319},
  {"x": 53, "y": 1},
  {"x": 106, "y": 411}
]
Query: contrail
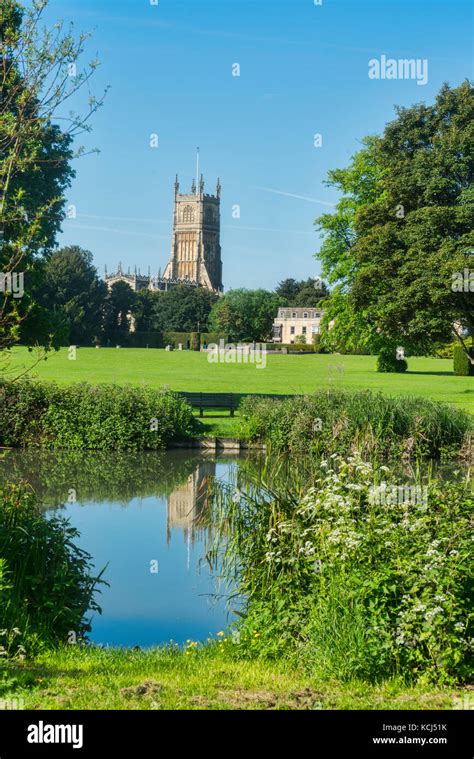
[{"x": 298, "y": 197}]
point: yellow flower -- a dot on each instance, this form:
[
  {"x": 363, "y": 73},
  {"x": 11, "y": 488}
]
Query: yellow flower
[{"x": 220, "y": 633}]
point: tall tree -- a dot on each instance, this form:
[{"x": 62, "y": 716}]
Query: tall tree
[
  {"x": 37, "y": 76},
  {"x": 73, "y": 290},
  {"x": 246, "y": 314},
  {"x": 118, "y": 312},
  {"x": 181, "y": 309},
  {"x": 307, "y": 292},
  {"x": 409, "y": 234}
]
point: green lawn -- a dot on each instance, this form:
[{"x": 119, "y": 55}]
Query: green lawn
[
  {"x": 207, "y": 678},
  {"x": 191, "y": 371}
]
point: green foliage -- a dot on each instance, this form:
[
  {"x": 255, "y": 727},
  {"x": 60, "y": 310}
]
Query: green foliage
[
  {"x": 175, "y": 338},
  {"x": 402, "y": 232},
  {"x": 181, "y": 309},
  {"x": 95, "y": 417},
  {"x": 71, "y": 288},
  {"x": 46, "y": 583},
  {"x": 348, "y": 584},
  {"x": 118, "y": 307},
  {"x": 387, "y": 361},
  {"x": 140, "y": 339},
  {"x": 246, "y": 315},
  {"x": 339, "y": 421},
  {"x": 462, "y": 366},
  {"x": 35, "y": 156},
  {"x": 195, "y": 341},
  {"x": 308, "y": 292}
]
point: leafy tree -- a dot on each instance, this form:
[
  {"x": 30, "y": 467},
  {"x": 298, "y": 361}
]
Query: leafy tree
[
  {"x": 118, "y": 310},
  {"x": 246, "y": 314},
  {"x": 345, "y": 328},
  {"x": 72, "y": 287},
  {"x": 182, "y": 309},
  {"x": 37, "y": 76},
  {"x": 404, "y": 227},
  {"x": 309, "y": 292}
]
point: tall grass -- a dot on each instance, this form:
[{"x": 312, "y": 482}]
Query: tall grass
[
  {"x": 46, "y": 581},
  {"x": 338, "y": 421},
  {"x": 350, "y": 587}
]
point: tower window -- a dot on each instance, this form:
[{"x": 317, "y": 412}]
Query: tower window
[{"x": 188, "y": 213}]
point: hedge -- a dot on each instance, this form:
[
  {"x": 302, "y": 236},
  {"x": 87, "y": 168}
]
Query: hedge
[{"x": 92, "y": 417}]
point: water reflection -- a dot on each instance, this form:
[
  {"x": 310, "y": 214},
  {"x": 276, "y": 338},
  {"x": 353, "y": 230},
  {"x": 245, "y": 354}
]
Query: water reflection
[{"x": 147, "y": 516}]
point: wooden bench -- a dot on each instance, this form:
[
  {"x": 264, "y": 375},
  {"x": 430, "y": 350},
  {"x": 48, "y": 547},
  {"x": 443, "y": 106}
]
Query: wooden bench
[{"x": 211, "y": 400}]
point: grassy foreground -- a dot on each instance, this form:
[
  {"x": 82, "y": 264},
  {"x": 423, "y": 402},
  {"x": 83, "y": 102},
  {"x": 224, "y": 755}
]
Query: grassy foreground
[
  {"x": 207, "y": 678},
  {"x": 293, "y": 374}
]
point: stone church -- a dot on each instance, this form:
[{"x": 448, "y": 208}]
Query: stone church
[{"x": 195, "y": 250}]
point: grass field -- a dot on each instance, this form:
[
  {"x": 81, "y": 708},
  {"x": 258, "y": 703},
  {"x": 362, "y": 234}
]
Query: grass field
[
  {"x": 191, "y": 371},
  {"x": 206, "y": 679}
]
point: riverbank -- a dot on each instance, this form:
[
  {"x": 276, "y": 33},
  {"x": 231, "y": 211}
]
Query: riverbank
[{"x": 205, "y": 677}]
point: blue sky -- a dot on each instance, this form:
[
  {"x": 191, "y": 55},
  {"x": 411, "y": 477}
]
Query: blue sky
[{"x": 303, "y": 70}]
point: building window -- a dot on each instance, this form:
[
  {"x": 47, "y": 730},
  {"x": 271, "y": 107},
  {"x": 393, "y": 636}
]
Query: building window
[
  {"x": 305, "y": 315},
  {"x": 292, "y": 330},
  {"x": 188, "y": 213},
  {"x": 304, "y": 330},
  {"x": 294, "y": 314}
]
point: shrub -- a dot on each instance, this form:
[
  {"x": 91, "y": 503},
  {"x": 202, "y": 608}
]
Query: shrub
[
  {"x": 352, "y": 585},
  {"x": 47, "y": 587},
  {"x": 92, "y": 417},
  {"x": 462, "y": 365},
  {"x": 387, "y": 361},
  {"x": 342, "y": 421}
]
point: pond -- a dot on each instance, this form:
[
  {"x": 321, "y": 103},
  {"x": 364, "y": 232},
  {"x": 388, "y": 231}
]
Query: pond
[
  {"x": 146, "y": 517},
  {"x": 143, "y": 516}
]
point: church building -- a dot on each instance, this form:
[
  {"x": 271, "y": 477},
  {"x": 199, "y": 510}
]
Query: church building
[{"x": 195, "y": 258}]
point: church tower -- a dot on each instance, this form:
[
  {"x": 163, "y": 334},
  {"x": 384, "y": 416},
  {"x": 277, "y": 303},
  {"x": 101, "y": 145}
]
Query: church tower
[{"x": 195, "y": 249}]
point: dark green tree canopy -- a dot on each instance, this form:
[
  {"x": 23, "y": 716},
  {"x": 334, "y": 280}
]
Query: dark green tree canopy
[
  {"x": 403, "y": 229},
  {"x": 71, "y": 287},
  {"x": 309, "y": 292},
  {"x": 246, "y": 314}
]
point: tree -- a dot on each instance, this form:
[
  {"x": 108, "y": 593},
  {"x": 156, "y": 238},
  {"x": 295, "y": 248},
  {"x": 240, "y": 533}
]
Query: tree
[
  {"x": 182, "y": 309},
  {"x": 346, "y": 329},
  {"x": 72, "y": 288},
  {"x": 118, "y": 311},
  {"x": 246, "y": 315},
  {"x": 309, "y": 292},
  {"x": 37, "y": 76},
  {"x": 407, "y": 231}
]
